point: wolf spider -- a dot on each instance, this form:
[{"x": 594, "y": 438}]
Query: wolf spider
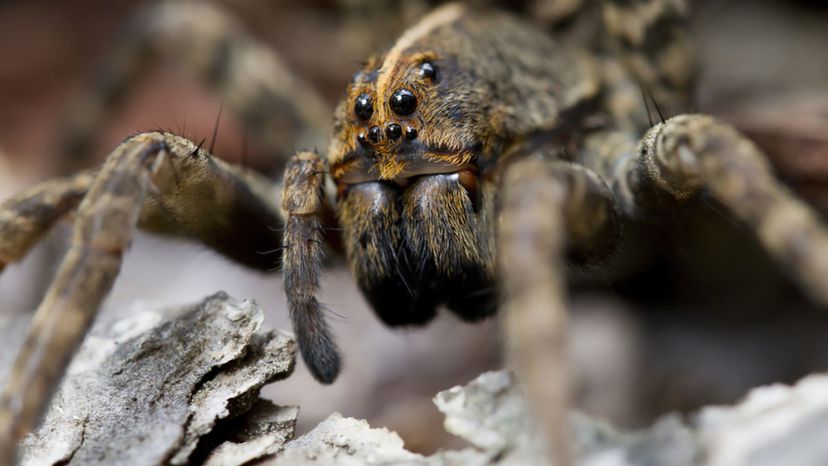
[{"x": 469, "y": 162}]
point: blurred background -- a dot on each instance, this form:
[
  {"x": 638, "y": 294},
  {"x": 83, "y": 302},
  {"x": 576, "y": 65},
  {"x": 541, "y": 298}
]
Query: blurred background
[{"x": 699, "y": 324}]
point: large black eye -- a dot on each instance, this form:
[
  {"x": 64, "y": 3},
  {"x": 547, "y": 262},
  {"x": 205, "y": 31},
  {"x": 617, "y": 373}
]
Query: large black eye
[
  {"x": 403, "y": 102},
  {"x": 363, "y": 107}
]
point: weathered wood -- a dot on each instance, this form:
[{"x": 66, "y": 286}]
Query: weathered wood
[{"x": 155, "y": 391}]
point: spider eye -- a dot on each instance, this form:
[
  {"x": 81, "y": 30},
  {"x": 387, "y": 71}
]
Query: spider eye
[
  {"x": 393, "y": 131},
  {"x": 374, "y": 133},
  {"x": 363, "y": 107},
  {"x": 410, "y": 132},
  {"x": 403, "y": 102},
  {"x": 428, "y": 70}
]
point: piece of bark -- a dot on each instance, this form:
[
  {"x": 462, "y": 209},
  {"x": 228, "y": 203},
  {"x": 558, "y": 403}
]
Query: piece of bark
[
  {"x": 492, "y": 415},
  {"x": 146, "y": 391},
  {"x": 153, "y": 391},
  {"x": 234, "y": 389},
  {"x": 345, "y": 441},
  {"x": 774, "y": 426},
  {"x": 261, "y": 432}
]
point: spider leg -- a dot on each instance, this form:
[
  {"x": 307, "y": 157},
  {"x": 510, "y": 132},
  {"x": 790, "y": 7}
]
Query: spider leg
[
  {"x": 545, "y": 207},
  {"x": 157, "y": 181},
  {"x": 653, "y": 41},
  {"x": 277, "y": 108},
  {"x": 690, "y": 153},
  {"x": 303, "y": 200},
  {"x": 26, "y": 217}
]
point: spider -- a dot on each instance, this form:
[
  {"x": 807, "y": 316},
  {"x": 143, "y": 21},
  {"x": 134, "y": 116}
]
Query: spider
[{"x": 468, "y": 164}]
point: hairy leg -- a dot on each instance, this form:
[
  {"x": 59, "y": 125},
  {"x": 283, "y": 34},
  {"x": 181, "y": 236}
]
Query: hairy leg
[
  {"x": 613, "y": 154},
  {"x": 546, "y": 206},
  {"x": 163, "y": 183},
  {"x": 691, "y": 153},
  {"x": 277, "y": 108},
  {"x": 303, "y": 200},
  {"x": 648, "y": 75},
  {"x": 28, "y": 216},
  {"x": 652, "y": 39}
]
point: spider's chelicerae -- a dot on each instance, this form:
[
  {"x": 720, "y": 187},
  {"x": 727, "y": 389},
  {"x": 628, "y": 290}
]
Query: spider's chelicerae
[{"x": 469, "y": 162}]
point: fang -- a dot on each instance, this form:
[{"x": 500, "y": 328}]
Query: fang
[{"x": 468, "y": 180}]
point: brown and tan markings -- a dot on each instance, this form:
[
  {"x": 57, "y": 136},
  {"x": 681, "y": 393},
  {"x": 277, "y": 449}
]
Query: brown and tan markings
[{"x": 471, "y": 161}]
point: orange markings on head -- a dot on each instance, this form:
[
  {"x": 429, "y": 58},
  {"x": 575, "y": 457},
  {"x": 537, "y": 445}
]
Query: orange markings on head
[
  {"x": 390, "y": 168},
  {"x": 386, "y": 107},
  {"x": 454, "y": 158}
]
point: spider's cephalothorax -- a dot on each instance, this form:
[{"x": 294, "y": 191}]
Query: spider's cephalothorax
[{"x": 419, "y": 137}]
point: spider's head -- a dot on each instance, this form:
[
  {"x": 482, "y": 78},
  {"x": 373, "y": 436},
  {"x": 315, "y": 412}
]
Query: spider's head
[
  {"x": 411, "y": 113},
  {"x": 409, "y": 157}
]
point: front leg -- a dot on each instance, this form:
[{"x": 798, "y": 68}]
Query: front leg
[
  {"x": 547, "y": 208},
  {"x": 303, "y": 201},
  {"x": 102, "y": 233},
  {"x": 158, "y": 181},
  {"x": 651, "y": 37},
  {"x": 691, "y": 153}
]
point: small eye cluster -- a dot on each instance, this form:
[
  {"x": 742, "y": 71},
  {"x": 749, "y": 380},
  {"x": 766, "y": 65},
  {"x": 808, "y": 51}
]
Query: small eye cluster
[{"x": 403, "y": 102}]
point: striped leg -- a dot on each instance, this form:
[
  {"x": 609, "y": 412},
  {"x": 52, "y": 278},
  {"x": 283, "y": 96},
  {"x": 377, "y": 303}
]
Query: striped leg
[
  {"x": 691, "y": 153},
  {"x": 28, "y": 216},
  {"x": 160, "y": 182},
  {"x": 653, "y": 41},
  {"x": 545, "y": 207}
]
